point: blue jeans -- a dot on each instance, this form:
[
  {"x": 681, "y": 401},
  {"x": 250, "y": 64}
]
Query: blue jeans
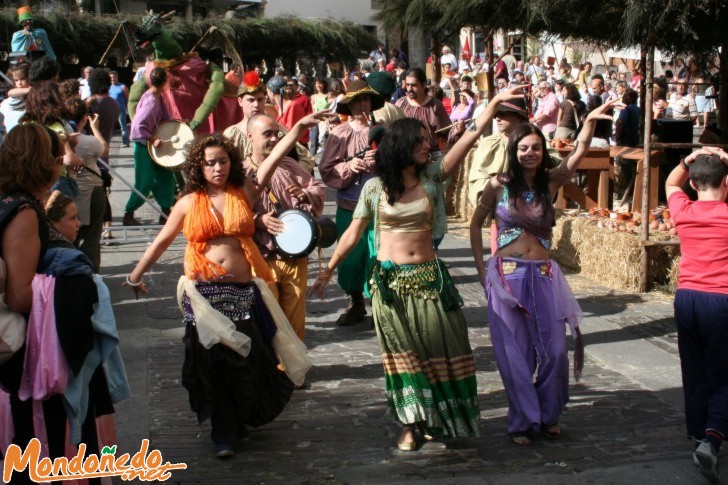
[{"x": 124, "y": 127}]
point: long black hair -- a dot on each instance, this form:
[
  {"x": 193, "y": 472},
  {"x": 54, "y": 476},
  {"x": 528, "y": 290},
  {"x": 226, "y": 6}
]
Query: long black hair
[
  {"x": 394, "y": 154},
  {"x": 516, "y": 182}
]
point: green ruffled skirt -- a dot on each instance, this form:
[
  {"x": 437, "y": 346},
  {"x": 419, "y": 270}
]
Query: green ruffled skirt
[{"x": 428, "y": 363}]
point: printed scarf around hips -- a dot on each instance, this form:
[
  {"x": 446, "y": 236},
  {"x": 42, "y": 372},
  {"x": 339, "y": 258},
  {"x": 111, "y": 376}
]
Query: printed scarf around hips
[{"x": 202, "y": 225}]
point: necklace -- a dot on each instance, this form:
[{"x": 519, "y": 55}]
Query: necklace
[
  {"x": 412, "y": 186},
  {"x": 255, "y": 164}
]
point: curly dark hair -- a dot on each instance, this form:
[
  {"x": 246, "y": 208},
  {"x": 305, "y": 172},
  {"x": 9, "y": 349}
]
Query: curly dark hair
[
  {"x": 516, "y": 182},
  {"x": 193, "y": 170},
  {"x": 99, "y": 81},
  {"x": 394, "y": 154},
  {"x": 69, "y": 88},
  {"x": 75, "y": 108},
  {"x": 44, "y": 104}
]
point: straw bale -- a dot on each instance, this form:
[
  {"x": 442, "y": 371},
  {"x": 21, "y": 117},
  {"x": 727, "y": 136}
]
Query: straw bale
[
  {"x": 612, "y": 258},
  {"x": 456, "y": 193}
]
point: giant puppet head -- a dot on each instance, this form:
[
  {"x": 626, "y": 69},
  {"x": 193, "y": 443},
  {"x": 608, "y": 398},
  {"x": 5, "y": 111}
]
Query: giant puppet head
[{"x": 154, "y": 30}]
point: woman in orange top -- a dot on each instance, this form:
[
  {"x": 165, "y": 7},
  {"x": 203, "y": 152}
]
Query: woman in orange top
[{"x": 236, "y": 382}]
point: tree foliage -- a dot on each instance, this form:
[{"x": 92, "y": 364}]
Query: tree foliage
[
  {"x": 398, "y": 16},
  {"x": 677, "y": 26},
  {"x": 86, "y": 36}
]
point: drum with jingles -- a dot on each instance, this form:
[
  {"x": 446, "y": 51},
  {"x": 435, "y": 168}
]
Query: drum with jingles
[
  {"x": 171, "y": 152},
  {"x": 303, "y": 233}
]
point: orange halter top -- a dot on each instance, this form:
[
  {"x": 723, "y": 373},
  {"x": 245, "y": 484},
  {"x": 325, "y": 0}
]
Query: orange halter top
[{"x": 203, "y": 224}]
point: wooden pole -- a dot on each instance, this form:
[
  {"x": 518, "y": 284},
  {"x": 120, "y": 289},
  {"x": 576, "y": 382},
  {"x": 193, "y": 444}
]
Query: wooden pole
[
  {"x": 604, "y": 60},
  {"x": 723, "y": 93},
  {"x": 647, "y": 105},
  {"x": 101, "y": 61}
]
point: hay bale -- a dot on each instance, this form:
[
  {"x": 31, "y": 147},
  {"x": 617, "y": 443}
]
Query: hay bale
[
  {"x": 456, "y": 194},
  {"x": 611, "y": 257}
]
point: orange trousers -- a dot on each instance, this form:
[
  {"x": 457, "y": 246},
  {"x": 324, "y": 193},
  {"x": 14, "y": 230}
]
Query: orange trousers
[{"x": 290, "y": 277}]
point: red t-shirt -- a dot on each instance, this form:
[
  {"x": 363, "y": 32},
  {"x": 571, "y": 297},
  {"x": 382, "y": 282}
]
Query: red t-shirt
[
  {"x": 290, "y": 117},
  {"x": 447, "y": 103},
  {"x": 702, "y": 227},
  {"x": 304, "y": 103}
]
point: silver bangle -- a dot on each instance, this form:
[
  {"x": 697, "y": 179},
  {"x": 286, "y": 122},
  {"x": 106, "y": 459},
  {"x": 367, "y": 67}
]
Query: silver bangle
[
  {"x": 132, "y": 284},
  {"x": 152, "y": 262}
]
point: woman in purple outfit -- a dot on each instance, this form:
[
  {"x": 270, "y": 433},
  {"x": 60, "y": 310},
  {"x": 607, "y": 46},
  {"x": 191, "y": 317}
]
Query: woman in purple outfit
[{"x": 529, "y": 301}]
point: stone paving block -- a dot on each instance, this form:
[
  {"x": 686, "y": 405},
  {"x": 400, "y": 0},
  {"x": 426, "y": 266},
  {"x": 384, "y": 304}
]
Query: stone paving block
[{"x": 339, "y": 425}]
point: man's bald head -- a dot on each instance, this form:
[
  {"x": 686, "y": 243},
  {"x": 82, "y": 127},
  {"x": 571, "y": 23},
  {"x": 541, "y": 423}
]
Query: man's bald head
[
  {"x": 260, "y": 120},
  {"x": 263, "y": 134}
]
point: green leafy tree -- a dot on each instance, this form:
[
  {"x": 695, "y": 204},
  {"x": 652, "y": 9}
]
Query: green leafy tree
[
  {"x": 86, "y": 36},
  {"x": 399, "y": 16}
]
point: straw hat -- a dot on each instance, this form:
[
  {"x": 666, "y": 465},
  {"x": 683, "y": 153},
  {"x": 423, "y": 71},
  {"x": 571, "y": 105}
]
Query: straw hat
[{"x": 358, "y": 88}]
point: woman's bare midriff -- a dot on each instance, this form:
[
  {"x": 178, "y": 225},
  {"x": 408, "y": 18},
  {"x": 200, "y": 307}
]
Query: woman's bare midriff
[
  {"x": 227, "y": 253},
  {"x": 526, "y": 246},
  {"x": 406, "y": 247}
]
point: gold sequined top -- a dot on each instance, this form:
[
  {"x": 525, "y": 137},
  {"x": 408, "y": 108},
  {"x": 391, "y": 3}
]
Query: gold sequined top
[{"x": 415, "y": 216}]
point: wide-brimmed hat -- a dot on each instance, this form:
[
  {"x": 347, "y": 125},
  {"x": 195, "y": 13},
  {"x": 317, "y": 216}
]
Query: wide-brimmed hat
[
  {"x": 358, "y": 88},
  {"x": 517, "y": 105},
  {"x": 24, "y": 13},
  {"x": 251, "y": 84},
  {"x": 382, "y": 82}
]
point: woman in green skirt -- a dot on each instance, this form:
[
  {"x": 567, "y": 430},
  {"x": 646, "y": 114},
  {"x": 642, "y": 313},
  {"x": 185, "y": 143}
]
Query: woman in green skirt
[{"x": 428, "y": 362}]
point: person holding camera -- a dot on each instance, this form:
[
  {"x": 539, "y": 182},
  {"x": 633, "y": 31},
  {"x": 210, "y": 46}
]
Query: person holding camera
[{"x": 91, "y": 200}]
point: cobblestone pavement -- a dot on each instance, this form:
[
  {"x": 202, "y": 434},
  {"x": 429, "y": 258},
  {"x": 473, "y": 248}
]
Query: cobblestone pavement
[{"x": 624, "y": 422}]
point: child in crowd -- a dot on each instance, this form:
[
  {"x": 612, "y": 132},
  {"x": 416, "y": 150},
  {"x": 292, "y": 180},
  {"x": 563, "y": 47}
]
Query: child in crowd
[
  {"x": 701, "y": 300},
  {"x": 63, "y": 214},
  {"x": 13, "y": 107}
]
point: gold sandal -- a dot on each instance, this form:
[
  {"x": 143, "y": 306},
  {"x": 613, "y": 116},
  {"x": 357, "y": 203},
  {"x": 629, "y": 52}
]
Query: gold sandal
[{"x": 406, "y": 445}]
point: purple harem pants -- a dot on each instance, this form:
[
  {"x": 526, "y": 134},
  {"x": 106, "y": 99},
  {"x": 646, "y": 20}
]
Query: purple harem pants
[{"x": 529, "y": 304}]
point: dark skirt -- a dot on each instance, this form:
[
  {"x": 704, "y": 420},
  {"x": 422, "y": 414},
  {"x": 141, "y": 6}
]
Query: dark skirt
[{"x": 231, "y": 389}]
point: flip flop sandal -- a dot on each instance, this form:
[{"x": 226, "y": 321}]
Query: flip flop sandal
[{"x": 520, "y": 438}]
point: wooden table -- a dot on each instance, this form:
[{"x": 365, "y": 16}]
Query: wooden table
[
  {"x": 599, "y": 171},
  {"x": 598, "y": 168},
  {"x": 638, "y": 154}
]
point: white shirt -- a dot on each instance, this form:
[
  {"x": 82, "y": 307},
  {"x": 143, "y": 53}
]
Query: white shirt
[
  {"x": 449, "y": 59},
  {"x": 85, "y": 90}
]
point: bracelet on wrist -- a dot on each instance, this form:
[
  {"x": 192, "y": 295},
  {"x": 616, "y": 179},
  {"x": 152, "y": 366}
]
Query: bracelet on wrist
[
  {"x": 684, "y": 165},
  {"x": 147, "y": 259},
  {"x": 131, "y": 283}
]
